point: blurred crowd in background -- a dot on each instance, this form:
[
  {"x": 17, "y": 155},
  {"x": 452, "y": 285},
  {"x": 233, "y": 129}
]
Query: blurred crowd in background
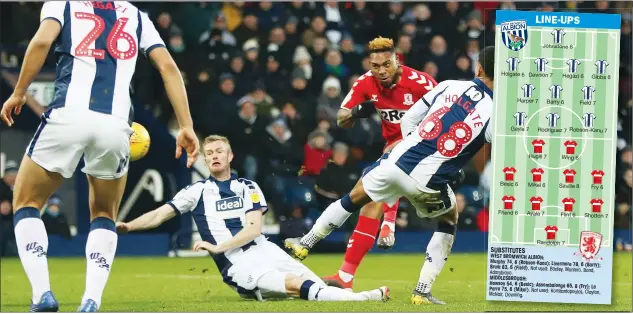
[{"x": 271, "y": 76}]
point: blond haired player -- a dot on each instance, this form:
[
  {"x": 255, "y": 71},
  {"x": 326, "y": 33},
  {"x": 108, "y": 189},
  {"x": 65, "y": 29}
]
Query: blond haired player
[
  {"x": 96, "y": 46},
  {"x": 392, "y": 89},
  {"x": 228, "y": 213}
]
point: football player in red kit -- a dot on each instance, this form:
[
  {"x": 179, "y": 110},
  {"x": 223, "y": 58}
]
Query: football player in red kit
[{"x": 392, "y": 89}]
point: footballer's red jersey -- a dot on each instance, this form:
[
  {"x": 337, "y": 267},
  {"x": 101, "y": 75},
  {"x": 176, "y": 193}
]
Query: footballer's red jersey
[
  {"x": 392, "y": 103},
  {"x": 596, "y": 205},
  {"x": 597, "y": 176},
  {"x": 551, "y": 232},
  {"x": 507, "y": 201},
  {"x": 568, "y": 203},
  {"x": 509, "y": 171}
]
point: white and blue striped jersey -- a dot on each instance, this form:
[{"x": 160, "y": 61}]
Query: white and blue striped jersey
[
  {"x": 553, "y": 119},
  {"x": 513, "y": 63},
  {"x": 540, "y": 64},
  {"x": 453, "y": 130},
  {"x": 558, "y": 36},
  {"x": 527, "y": 90},
  {"x": 601, "y": 66},
  {"x": 219, "y": 210},
  {"x": 588, "y": 119},
  {"x": 96, "y": 53},
  {"x": 587, "y": 92},
  {"x": 519, "y": 118},
  {"x": 555, "y": 89},
  {"x": 573, "y": 65}
]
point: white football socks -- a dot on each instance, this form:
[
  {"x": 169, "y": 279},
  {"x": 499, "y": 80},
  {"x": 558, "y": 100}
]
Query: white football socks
[
  {"x": 327, "y": 293},
  {"x": 436, "y": 255},
  {"x": 100, "y": 250},
  {"x": 32, "y": 242},
  {"x": 333, "y": 217}
]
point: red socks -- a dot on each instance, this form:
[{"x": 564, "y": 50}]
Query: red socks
[
  {"x": 361, "y": 241},
  {"x": 390, "y": 213}
]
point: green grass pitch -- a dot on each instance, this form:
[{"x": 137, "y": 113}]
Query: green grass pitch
[{"x": 194, "y": 285}]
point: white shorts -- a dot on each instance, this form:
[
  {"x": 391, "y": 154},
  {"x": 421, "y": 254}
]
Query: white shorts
[
  {"x": 263, "y": 268},
  {"x": 386, "y": 183},
  {"x": 65, "y": 134}
]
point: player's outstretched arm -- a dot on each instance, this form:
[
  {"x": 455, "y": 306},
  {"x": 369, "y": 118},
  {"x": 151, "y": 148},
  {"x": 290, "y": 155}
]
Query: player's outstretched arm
[
  {"x": 356, "y": 96},
  {"x": 36, "y": 54},
  {"x": 413, "y": 117},
  {"x": 148, "y": 220},
  {"x": 252, "y": 230},
  {"x": 175, "y": 88}
]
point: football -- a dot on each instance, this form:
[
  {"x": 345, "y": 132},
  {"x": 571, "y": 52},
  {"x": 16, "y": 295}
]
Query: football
[{"x": 139, "y": 142}]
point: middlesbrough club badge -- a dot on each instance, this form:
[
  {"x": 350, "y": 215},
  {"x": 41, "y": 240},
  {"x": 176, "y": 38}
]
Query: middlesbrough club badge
[{"x": 590, "y": 243}]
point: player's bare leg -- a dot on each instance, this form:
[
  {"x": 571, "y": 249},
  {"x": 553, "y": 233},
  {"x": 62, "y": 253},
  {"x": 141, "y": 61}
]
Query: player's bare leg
[
  {"x": 387, "y": 237},
  {"x": 33, "y": 186},
  {"x": 437, "y": 253},
  {"x": 361, "y": 241},
  {"x": 333, "y": 217},
  {"x": 105, "y": 198},
  {"x": 299, "y": 286}
]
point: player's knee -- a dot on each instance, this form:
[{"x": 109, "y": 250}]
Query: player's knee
[
  {"x": 293, "y": 285},
  {"x": 356, "y": 199},
  {"x": 103, "y": 206},
  {"x": 102, "y": 210},
  {"x": 27, "y": 198}
]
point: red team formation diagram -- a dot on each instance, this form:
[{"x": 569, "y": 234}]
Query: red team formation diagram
[{"x": 569, "y": 176}]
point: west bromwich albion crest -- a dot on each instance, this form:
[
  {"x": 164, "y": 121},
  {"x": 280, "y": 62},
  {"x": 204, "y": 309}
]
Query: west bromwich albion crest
[{"x": 514, "y": 34}]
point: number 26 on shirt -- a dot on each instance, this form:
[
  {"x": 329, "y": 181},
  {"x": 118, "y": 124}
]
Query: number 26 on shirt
[{"x": 114, "y": 36}]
